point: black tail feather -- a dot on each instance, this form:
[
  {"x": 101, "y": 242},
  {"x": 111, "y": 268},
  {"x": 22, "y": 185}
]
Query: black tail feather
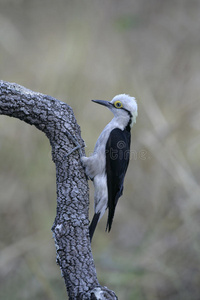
[
  {"x": 93, "y": 225},
  {"x": 110, "y": 220}
]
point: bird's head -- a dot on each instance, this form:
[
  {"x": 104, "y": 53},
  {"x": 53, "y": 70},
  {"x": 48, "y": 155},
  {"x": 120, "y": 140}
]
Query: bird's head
[{"x": 122, "y": 106}]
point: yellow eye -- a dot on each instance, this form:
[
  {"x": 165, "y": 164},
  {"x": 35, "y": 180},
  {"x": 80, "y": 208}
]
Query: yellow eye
[{"x": 118, "y": 104}]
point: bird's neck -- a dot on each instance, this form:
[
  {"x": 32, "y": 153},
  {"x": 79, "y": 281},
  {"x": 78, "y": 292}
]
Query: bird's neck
[
  {"x": 123, "y": 122},
  {"x": 129, "y": 125}
]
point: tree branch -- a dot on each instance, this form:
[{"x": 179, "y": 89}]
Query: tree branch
[{"x": 70, "y": 228}]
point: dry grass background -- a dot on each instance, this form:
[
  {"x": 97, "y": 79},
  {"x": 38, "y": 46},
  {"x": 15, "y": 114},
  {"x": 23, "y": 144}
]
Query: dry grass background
[{"x": 91, "y": 49}]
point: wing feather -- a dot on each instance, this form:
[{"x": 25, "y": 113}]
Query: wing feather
[{"x": 117, "y": 160}]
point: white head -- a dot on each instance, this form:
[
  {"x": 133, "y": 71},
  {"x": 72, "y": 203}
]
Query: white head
[{"x": 122, "y": 106}]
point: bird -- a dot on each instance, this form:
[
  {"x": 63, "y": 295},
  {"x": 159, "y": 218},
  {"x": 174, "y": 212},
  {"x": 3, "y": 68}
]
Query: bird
[{"x": 108, "y": 164}]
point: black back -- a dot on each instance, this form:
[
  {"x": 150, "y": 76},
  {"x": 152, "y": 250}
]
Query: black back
[{"x": 117, "y": 160}]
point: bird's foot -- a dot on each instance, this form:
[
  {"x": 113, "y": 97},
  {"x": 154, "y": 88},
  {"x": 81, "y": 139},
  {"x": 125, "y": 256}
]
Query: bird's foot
[{"x": 75, "y": 141}]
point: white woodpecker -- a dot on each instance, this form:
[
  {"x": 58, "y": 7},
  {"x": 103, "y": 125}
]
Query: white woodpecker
[{"x": 108, "y": 164}]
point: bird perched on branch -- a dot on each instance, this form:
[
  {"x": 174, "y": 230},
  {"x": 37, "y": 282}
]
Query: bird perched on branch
[{"x": 108, "y": 164}]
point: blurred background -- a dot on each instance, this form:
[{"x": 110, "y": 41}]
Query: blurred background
[{"x": 90, "y": 49}]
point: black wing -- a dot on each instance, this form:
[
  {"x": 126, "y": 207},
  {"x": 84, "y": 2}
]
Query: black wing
[{"x": 117, "y": 159}]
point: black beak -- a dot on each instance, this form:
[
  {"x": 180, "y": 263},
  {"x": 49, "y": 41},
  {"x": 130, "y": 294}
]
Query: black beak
[{"x": 102, "y": 102}]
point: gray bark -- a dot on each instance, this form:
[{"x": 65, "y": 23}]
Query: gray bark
[{"x": 70, "y": 228}]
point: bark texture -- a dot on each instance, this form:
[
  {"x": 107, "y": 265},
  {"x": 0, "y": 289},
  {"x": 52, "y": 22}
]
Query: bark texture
[{"x": 70, "y": 228}]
